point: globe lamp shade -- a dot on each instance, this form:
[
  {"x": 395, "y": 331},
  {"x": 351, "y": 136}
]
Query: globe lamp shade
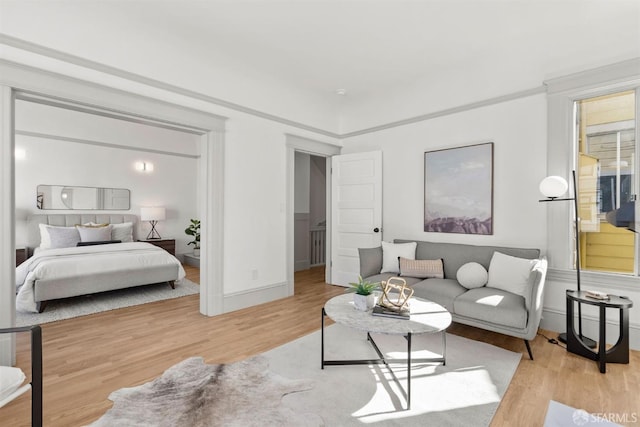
[{"x": 553, "y": 186}]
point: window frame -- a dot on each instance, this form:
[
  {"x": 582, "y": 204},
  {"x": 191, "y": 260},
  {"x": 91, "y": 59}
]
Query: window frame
[{"x": 562, "y": 94}]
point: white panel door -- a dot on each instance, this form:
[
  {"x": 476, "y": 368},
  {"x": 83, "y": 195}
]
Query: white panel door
[{"x": 356, "y": 211}]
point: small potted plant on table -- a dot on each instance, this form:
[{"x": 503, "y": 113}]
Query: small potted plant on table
[
  {"x": 194, "y": 231},
  {"x": 363, "y": 298}
]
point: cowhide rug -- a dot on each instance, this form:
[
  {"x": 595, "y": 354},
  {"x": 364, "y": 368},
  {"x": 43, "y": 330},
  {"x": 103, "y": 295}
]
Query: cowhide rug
[{"x": 195, "y": 394}]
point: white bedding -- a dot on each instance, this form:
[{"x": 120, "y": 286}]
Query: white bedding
[{"x": 84, "y": 261}]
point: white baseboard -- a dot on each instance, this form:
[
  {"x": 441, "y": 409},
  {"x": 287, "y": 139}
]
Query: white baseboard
[
  {"x": 7, "y": 350},
  {"x": 244, "y": 299},
  {"x": 555, "y": 320}
]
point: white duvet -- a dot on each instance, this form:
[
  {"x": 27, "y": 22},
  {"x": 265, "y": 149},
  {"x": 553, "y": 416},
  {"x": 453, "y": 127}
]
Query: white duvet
[{"x": 85, "y": 260}]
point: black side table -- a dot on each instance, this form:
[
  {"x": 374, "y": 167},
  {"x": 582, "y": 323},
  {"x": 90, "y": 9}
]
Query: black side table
[{"x": 619, "y": 353}]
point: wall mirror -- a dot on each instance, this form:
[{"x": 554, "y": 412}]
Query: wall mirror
[{"x": 70, "y": 197}]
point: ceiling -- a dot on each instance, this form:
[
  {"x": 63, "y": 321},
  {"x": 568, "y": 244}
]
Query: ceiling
[
  {"x": 376, "y": 50},
  {"x": 364, "y": 46}
]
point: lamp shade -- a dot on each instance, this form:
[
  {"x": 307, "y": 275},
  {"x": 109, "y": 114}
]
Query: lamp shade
[
  {"x": 152, "y": 214},
  {"x": 553, "y": 186}
]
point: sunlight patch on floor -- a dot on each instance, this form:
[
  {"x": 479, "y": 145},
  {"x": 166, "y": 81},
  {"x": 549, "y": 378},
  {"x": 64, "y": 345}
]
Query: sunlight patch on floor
[{"x": 431, "y": 391}]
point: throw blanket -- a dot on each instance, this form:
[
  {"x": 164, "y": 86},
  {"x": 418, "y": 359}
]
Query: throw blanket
[{"x": 85, "y": 261}]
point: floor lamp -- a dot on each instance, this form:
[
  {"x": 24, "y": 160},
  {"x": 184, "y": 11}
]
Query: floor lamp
[{"x": 553, "y": 187}]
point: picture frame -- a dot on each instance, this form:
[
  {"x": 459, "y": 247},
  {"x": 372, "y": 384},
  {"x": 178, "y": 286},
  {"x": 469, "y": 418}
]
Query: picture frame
[{"x": 458, "y": 190}]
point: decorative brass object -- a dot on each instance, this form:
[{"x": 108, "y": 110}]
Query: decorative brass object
[{"x": 395, "y": 288}]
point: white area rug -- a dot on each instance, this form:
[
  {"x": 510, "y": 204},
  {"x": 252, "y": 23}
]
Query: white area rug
[
  {"x": 105, "y": 301},
  {"x": 286, "y": 387},
  {"x": 559, "y": 415},
  {"x": 465, "y": 392}
]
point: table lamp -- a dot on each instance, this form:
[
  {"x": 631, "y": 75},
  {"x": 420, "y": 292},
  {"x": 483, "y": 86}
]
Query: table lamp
[{"x": 153, "y": 215}]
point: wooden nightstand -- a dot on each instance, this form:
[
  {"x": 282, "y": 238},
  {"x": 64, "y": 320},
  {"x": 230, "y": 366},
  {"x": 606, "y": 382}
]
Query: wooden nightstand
[
  {"x": 168, "y": 245},
  {"x": 21, "y": 255}
]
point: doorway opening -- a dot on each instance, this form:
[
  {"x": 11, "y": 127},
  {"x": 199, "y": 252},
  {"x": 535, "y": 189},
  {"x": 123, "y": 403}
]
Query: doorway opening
[{"x": 310, "y": 217}]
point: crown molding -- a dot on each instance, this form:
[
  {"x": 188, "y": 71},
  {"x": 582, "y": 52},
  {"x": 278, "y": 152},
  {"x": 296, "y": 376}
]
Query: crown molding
[
  {"x": 448, "y": 111},
  {"x": 624, "y": 72},
  {"x": 118, "y": 72},
  {"x": 107, "y": 69}
]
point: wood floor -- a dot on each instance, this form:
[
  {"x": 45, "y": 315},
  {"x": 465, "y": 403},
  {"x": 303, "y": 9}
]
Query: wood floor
[{"x": 87, "y": 358}]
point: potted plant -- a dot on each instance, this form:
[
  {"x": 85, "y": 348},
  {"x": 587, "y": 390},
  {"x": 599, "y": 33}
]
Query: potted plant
[
  {"x": 194, "y": 231},
  {"x": 363, "y": 298}
]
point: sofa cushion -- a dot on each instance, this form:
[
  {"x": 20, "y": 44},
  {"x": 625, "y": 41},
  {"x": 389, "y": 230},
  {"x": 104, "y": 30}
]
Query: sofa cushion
[
  {"x": 421, "y": 268},
  {"x": 455, "y": 255},
  {"x": 441, "y": 291},
  {"x": 472, "y": 275},
  {"x": 511, "y": 273},
  {"x": 370, "y": 261},
  {"x": 492, "y": 305},
  {"x": 392, "y": 251},
  {"x": 386, "y": 276}
]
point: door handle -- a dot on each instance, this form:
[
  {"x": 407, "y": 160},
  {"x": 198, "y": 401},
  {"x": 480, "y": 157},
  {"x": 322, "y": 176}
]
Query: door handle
[{"x": 376, "y": 230}]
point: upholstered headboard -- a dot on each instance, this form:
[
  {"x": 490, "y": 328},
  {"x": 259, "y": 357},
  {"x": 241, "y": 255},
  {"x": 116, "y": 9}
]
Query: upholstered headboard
[{"x": 69, "y": 220}]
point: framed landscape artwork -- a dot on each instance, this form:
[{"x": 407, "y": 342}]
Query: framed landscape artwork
[{"x": 458, "y": 190}]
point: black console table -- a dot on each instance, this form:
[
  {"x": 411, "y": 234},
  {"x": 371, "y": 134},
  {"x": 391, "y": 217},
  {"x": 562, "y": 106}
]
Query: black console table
[{"x": 619, "y": 353}]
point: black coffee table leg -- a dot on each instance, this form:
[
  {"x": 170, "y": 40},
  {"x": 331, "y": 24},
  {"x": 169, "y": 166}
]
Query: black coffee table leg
[{"x": 408, "y": 371}]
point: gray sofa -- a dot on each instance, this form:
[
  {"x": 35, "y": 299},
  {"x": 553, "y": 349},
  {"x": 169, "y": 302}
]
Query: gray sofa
[{"x": 512, "y": 315}]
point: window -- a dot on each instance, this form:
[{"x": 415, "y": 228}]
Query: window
[
  {"x": 591, "y": 125},
  {"x": 607, "y": 181}
]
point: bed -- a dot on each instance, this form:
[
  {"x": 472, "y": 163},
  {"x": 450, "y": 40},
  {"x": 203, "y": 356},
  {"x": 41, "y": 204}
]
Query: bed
[{"x": 66, "y": 270}]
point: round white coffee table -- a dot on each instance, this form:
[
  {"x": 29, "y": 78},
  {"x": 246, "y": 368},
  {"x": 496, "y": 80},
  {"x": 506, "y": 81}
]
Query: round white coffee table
[{"x": 426, "y": 317}]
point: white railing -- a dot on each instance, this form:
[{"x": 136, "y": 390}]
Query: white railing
[{"x": 317, "y": 242}]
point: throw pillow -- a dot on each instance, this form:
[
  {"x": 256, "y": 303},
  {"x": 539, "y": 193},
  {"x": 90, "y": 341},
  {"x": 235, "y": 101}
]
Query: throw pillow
[
  {"x": 472, "y": 275},
  {"x": 10, "y": 380},
  {"x": 122, "y": 232},
  {"x": 510, "y": 273},
  {"x": 392, "y": 251},
  {"x": 63, "y": 237},
  {"x": 422, "y": 268},
  {"x": 94, "y": 234},
  {"x": 93, "y": 225}
]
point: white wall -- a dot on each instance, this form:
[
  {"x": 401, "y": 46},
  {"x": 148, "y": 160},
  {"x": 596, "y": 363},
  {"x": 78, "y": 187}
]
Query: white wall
[
  {"x": 255, "y": 202},
  {"x": 518, "y": 131},
  {"x": 172, "y": 184}
]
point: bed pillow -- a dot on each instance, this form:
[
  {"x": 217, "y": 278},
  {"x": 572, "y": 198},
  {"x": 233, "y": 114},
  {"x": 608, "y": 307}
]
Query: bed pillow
[
  {"x": 63, "y": 237},
  {"x": 94, "y": 234},
  {"x": 392, "y": 251},
  {"x": 510, "y": 273},
  {"x": 122, "y": 232},
  {"x": 472, "y": 275},
  {"x": 45, "y": 240},
  {"x": 62, "y": 234},
  {"x": 422, "y": 268}
]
